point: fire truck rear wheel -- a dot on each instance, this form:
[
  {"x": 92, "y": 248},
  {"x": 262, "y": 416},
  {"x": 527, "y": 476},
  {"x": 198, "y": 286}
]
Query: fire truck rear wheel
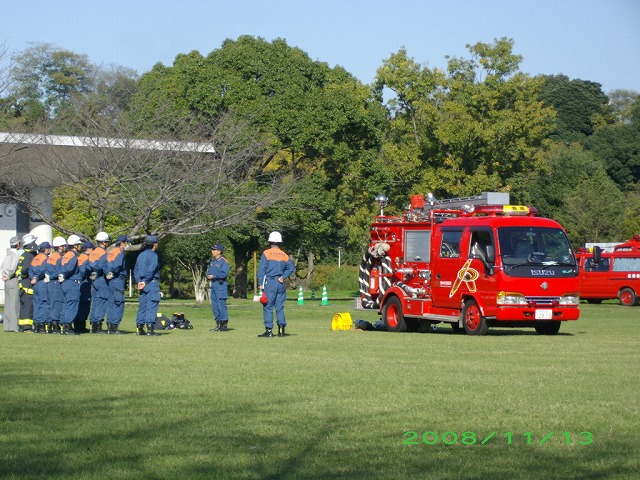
[
  {"x": 392, "y": 316},
  {"x": 627, "y": 297},
  {"x": 474, "y": 323}
]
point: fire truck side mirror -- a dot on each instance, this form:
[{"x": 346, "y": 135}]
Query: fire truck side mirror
[
  {"x": 597, "y": 254},
  {"x": 491, "y": 255}
]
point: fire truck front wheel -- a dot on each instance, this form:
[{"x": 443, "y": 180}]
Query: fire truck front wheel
[
  {"x": 392, "y": 315},
  {"x": 474, "y": 323},
  {"x": 627, "y": 297},
  {"x": 548, "y": 328}
]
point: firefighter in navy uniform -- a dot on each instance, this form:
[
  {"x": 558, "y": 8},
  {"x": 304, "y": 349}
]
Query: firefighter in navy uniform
[
  {"x": 217, "y": 274},
  {"x": 100, "y": 288},
  {"x": 116, "y": 276},
  {"x": 147, "y": 277},
  {"x": 40, "y": 281},
  {"x": 70, "y": 279},
  {"x": 84, "y": 306},
  {"x": 29, "y": 250},
  {"x": 54, "y": 288},
  {"x": 275, "y": 266}
]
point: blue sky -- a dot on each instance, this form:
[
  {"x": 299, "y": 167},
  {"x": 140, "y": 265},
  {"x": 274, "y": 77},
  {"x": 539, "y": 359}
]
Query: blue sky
[{"x": 595, "y": 40}]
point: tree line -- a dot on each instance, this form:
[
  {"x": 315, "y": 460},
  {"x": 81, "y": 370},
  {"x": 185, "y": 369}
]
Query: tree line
[{"x": 304, "y": 148}]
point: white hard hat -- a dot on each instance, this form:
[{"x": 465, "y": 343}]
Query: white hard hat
[
  {"x": 29, "y": 238},
  {"x": 59, "y": 242},
  {"x": 74, "y": 240},
  {"x": 275, "y": 237},
  {"x": 102, "y": 237}
]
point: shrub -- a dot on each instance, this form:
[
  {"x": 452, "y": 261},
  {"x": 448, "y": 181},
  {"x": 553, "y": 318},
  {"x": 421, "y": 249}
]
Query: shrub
[{"x": 344, "y": 278}]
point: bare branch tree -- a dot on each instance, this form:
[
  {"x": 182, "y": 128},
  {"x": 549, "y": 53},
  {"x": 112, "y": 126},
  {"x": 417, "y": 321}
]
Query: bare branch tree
[
  {"x": 169, "y": 185},
  {"x": 5, "y": 68}
]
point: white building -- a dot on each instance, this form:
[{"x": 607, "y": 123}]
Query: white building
[{"x": 32, "y": 152}]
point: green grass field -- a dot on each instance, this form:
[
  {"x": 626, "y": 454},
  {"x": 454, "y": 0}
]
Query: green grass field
[{"x": 320, "y": 404}]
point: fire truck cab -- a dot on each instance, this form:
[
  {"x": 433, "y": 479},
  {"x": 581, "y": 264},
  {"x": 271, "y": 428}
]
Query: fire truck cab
[
  {"x": 608, "y": 275},
  {"x": 474, "y": 262}
]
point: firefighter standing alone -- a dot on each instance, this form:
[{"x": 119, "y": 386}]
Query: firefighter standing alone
[
  {"x": 217, "y": 274},
  {"x": 275, "y": 266}
]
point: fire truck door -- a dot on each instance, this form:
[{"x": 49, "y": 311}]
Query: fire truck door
[
  {"x": 595, "y": 278},
  {"x": 446, "y": 267}
]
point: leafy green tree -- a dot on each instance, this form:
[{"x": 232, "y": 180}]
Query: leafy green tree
[
  {"x": 618, "y": 146},
  {"x": 581, "y": 107},
  {"x": 244, "y": 240},
  {"x": 308, "y": 111},
  {"x": 594, "y": 211},
  {"x": 549, "y": 188},
  {"x": 316, "y": 120},
  {"x": 621, "y": 103},
  {"x": 472, "y": 128},
  {"x": 631, "y": 215},
  {"x": 49, "y": 76}
]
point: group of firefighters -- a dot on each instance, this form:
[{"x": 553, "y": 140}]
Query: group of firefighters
[{"x": 64, "y": 283}]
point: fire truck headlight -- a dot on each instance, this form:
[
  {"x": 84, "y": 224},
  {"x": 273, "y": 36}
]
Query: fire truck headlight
[
  {"x": 570, "y": 299},
  {"x": 510, "y": 298}
]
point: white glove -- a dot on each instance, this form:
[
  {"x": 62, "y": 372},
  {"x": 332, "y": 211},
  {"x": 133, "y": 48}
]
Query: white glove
[
  {"x": 46, "y": 278},
  {"x": 109, "y": 275},
  {"x": 61, "y": 278}
]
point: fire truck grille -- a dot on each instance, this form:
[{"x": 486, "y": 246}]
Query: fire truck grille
[{"x": 543, "y": 300}]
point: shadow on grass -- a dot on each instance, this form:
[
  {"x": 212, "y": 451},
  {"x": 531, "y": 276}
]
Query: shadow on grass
[{"x": 142, "y": 434}]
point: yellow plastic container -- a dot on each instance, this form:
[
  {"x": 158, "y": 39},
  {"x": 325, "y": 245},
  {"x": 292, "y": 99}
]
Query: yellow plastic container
[{"x": 341, "y": 321}]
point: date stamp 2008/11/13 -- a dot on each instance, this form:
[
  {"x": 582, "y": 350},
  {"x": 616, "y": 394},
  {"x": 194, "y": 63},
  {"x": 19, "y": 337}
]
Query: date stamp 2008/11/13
[{"x": 495, "y": 437}]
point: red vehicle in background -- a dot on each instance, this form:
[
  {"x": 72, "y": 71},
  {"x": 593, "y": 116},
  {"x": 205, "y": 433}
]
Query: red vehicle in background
[
  {"x": 474, "y": 262},
  {"x": 607, "y": 275}
]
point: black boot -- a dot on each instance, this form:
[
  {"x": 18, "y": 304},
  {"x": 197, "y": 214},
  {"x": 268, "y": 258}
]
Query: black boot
[
  {"x": 223, "y": 326},
  {"x": 281, "y": 330},
  {"x": 217, "y": 329},
  {"x": 113, "y": 329},
  {"x": 55, "y": 326},
  {"x": 100, "y": 329},
  {"x": 67, "y": 330},
  {"x": 140, "y": 330},
  {"x": 80, "y": 326},
  {"x": 267, "y": 333},
  {"x": 151, "y": 327}
]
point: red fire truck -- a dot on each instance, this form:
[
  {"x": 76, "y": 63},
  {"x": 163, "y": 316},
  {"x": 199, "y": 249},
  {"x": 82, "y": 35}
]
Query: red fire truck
[
  {"x": 616, "y": 274},
  {"x": 474, "y": 262}
]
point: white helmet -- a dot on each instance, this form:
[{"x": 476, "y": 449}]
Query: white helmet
[
  {"x": 59, "y": 242},
  {"x": 275, "y": 237},
  {"x": 29, "y": 238},
  {"x": 102, "y": 237},
  {"x": 74, "y": 240}
]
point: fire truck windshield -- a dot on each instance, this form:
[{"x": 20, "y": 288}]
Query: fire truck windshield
[{"x": 522, "y": 248}]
